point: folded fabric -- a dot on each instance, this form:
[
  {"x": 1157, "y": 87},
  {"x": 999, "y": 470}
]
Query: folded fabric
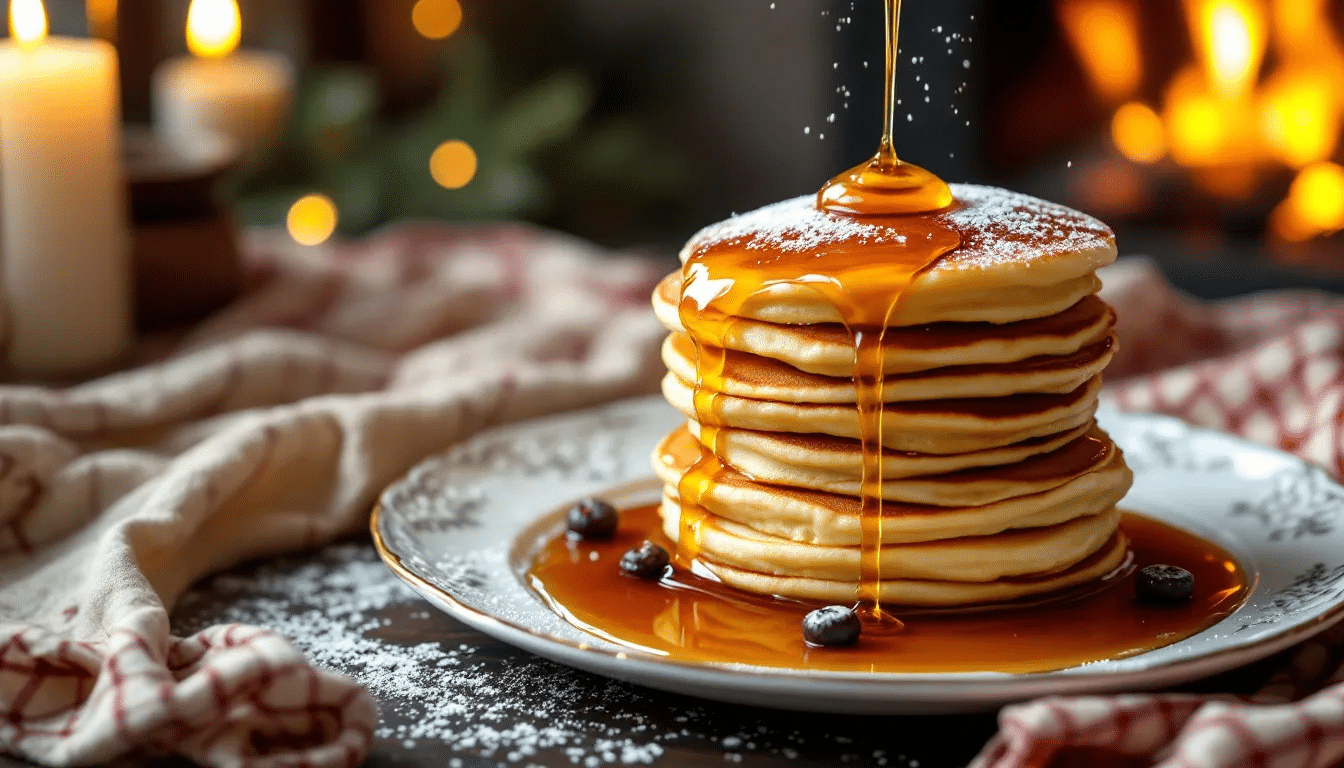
[
  {"x": 272, "y": 428},
  {"x": 1267, "y": 367}
]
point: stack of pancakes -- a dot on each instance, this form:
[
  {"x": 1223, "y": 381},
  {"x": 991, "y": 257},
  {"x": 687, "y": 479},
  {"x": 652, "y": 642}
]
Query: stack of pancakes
[{"x": 997, "y": 483}]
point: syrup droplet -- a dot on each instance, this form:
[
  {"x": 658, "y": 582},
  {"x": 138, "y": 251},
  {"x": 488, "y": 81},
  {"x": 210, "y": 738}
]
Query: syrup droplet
[{"x": 886, "y": 185}]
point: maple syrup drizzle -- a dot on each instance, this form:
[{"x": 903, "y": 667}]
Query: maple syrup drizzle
[
  {"x": 886, "y": 185},
  {"x": 864, "y": 285},
  {"x": 688, "y": 618}
]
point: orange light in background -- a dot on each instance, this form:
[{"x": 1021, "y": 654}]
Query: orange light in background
[
  {"x": 1317, "y": 196},
  {"x": 1300, "y": 116},
  {"x": 214, "y": 28},
  {"x": 1104, "y": 35},
  {"x": 436, "y": 19},
  {"x": 453, "y": 164},
  {"x": 311, "y": 219},
  {"x": 1195, "y": 125},
  {"x": 1295, "y": 20},
  {"x": 1302, "y": 104},
  {"x": 1288, "y": 226},
  {"x": 1230, "y": 36},
  {"x": 1110, "y": 187},
  {"x": 27, "y": 22},
  {"x": 1302, "y": 32},
  {"x": 1138, "y": 133},
  {"x": 102, "y": 16}
]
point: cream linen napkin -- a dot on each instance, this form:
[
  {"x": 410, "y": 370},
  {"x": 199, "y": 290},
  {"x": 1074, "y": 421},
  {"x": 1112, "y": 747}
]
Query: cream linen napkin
[{"x": 272, "y": 428}]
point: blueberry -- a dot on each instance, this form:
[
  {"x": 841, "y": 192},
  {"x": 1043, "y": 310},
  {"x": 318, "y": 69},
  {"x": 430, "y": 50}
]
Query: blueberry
[
  {"x": 592, "y": 519},
  {"x": 647, "y": 561},
  {"x": 1164, "y": 584},
  {"x": 832, "y": 626}
]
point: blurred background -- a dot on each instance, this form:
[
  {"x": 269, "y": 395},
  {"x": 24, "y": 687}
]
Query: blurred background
[{"x": 1206, "y": 132}]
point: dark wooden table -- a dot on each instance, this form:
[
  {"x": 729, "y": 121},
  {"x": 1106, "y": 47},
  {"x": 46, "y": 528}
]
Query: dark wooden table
[
  {"x": 453, "y": 697},
  {"x": 496, "y": 704}
]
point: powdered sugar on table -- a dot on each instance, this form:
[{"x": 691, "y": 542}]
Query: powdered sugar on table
[{"x": 450, "y": 696}]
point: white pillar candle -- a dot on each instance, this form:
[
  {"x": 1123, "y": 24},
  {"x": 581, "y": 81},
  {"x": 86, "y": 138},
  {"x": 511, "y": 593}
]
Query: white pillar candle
[
  {"x": 63, "y": 228},
  {"x": 217, "y": 92}
]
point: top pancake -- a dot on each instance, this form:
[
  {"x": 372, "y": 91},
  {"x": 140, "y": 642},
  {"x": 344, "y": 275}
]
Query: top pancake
[{"x": 1019, "y": 258}]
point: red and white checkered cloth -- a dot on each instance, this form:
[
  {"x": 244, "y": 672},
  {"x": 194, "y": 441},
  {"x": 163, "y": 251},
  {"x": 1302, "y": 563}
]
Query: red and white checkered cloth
[
  {"x": 1268, "y": 367},
  {"x": 272, "y": 428}
]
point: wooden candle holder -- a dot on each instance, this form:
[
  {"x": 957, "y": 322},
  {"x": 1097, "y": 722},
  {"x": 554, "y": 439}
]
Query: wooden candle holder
[{"x": 184, "y": 254}]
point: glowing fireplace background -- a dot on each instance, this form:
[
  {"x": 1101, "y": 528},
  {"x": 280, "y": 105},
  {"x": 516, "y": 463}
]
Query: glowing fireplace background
[
  {"x": 1207, "y": 132},
  {"x": 1200, "y": 128}
]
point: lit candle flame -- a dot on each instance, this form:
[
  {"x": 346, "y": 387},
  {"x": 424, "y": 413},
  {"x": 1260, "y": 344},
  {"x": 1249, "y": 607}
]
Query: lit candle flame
[
  {"x": 213, "y": 27},
  {"x": 27, "y": 22}
]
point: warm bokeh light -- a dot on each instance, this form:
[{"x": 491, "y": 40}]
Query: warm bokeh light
[
  {"x": 312, "y": 219},
  {"x": 1104, "y": 35},
  {"x": 1138, "y": 133},
  {"x": 1302, "y": 104},
  {"x": 102, "y": 16},
  {"x": 453, "y": 164},
  {"x": 214, "y": 27},
  {"x": 1196, "y": 130},
  {"x": 1230, "y": 36},
  {"x": 1304, "y": 33},
  {"x": 436, "y": 19},
  {"x": 27, "y": 21},
  {"x": 1317, "y": 196},
  {"x": 1110, "y": 187},
  {"x": 1300, "y": 117},
  {"x": 1287, "y": 225},
  {"x": 1296, "y": 19}
]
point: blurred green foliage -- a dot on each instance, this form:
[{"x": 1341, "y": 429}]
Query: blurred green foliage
[{"x": 543, "y": 155}]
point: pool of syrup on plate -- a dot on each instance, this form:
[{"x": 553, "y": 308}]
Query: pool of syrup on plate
[{"x": 688, "y": 618}]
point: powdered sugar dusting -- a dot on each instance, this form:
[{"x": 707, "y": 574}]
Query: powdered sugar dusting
[
  {"x": 349, "y": 618},
  {"x": 997, "y": 226},
  {"x": 452, "y": 697},
  {"x": 791, "y": 226}
]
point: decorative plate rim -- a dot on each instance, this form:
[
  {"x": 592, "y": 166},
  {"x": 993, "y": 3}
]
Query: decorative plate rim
[{"x": 1073, "y": 679}]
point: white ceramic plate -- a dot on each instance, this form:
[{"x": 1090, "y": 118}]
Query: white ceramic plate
[{"x": 460, "y": 527}]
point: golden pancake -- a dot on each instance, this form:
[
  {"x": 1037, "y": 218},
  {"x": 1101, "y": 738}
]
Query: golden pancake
[
  {"x": 995, "y": 481},
  {"x": 828, "y": 349},
  {"x": 837, "y": 457},
  {"x": 971, "y": 559},
  {"x": 761, "y": 378},
  {"x": 969, "y": 487},
  {"x": 1009, "y": 242},
  {"x": 924, "y": 426},
  {"x": 828, "y": 519},
  {"x": 988, "y": 305},
  {"x": 928, "y": 592}
]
